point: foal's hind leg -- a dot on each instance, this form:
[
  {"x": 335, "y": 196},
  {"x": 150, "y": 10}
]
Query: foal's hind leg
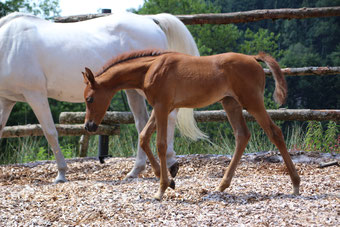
[
  {"x": 275, "y": 135},
  {"x": 242, "y": 135},
  {"x": 6, "y": 107}
]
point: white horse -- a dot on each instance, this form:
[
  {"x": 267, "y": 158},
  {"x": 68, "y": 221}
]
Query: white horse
[{"x": 40, "y": 59}]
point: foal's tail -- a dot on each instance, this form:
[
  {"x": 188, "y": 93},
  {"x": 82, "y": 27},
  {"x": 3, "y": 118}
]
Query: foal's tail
[
  {"x": 280, "y": 93},
  {"x": 180, "y": 40}
]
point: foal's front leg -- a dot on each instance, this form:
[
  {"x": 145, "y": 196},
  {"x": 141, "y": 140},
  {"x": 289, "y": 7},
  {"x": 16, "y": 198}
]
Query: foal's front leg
[
  {"x": 140, "y": 114},
  {"x": 144, "y": 142}
]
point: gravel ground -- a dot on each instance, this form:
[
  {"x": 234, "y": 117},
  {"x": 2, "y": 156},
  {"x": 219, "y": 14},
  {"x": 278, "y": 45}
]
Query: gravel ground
[{"x": 97, "y": 195}]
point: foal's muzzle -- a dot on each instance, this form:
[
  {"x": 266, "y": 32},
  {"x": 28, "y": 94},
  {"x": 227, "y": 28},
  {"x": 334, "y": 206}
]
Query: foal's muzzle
[{"x": 91, "y": 126}]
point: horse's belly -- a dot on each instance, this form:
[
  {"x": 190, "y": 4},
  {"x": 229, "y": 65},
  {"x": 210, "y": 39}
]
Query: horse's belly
[
  {"x": 13, "y": 96},
  {"x": 74, "y": 94},
  {"x": 200, "y": 93}
]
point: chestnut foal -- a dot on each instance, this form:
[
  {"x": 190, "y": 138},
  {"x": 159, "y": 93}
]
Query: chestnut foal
[{"x": 173, "y": 80}]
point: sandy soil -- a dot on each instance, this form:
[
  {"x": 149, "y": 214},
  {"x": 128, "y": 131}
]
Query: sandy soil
[{"x": 97, "y": 195}]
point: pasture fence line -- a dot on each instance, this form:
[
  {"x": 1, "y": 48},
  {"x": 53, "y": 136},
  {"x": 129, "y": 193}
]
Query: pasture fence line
[
  {"x": 63, "y": 130},
  {"x": 308, "y": 71},
  {"x": 71, "y": 123},
  {"x": 115, "y": 117},
  {"x": 234, "y": 17}
]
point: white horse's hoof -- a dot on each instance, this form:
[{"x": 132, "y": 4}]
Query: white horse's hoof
[
  {"x": 59, "y": 180},
  {"x": 61, "y": 176},
  {"x": 134, "y": 173}
]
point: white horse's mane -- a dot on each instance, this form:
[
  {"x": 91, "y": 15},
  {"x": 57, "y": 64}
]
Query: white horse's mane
[{"x": 13, "y": 16}]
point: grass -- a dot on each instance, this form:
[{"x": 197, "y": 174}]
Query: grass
[{"x": 315, "y": 137}]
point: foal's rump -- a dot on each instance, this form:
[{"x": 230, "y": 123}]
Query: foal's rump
[{"x": 251, "y": 78}]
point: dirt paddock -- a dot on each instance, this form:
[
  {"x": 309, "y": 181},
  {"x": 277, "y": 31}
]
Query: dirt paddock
[{"x": 97, "y": 195}]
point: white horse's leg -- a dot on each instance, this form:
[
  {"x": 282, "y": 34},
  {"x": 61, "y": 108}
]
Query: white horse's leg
[
  {"x": 171, "y": 161},
  {"x": 39, "y": 103},
  {"x": 6, "y": 107},
  {"x": 141, "y": 116}
]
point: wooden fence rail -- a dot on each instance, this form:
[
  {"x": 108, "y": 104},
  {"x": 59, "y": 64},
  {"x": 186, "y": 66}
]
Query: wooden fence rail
[
  {"x": 72, "y": 122},
  {"x": 63, "y": 130},
  {"x": 235, "y": 17},
  {"x": 114, "y": 117},
  {"x": 305, "y": 71}
]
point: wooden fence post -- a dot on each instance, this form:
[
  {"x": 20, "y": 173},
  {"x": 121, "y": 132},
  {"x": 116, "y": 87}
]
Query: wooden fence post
[{"x": 83, "y": 145}]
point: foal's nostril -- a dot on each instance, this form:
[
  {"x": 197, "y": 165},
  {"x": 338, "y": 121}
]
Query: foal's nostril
[
  {"x": 87, "y": 126},
  {"x": 94, "y": 127},
  {"x": 91, "y": 126}
]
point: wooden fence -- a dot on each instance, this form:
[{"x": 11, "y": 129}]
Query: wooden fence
[
  {"x": 72, "y": 122},
  {"x": 112, "y": 118},
  {"x": 235, "y": 17},
  {"x": 115, "y": 117}
]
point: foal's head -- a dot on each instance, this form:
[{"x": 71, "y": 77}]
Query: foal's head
[{"x": 97, "y": 99}]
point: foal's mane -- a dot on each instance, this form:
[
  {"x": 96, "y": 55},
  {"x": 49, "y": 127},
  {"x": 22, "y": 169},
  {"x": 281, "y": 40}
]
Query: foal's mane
[{"x": 129, "y": 56}]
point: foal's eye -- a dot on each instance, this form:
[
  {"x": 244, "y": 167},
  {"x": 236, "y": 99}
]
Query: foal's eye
[{"x": 89, "y": 99}]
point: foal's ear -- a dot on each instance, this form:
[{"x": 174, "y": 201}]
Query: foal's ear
[
  {"x": 86, "y": 81},
  {"x": 88, "y": 76}
]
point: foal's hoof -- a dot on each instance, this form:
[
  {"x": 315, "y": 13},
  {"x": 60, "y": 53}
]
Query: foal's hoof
[
  {"x": 220, "y": 188},
  {"x": 172, "y": 184},
  {"x": 174, "y": 169},
  {"x": 296, "y": 191}
]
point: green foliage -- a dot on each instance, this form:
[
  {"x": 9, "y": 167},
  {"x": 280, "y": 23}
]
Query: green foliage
[
  {"x": 44, "y": 8},
  {"x": 262, "y": 40},
  {"x": 332, "y": 137},
  {"x": 20, "y": 150},
  {"x": 29, "y": 149},
  {"x": 298, "y": 55},
  {"x": 334, "y": 57},
  {"x": 208, "y": 38},
  {"x": 294, "y": 137},
  {"x": 177, "y": 7},
  {"x": 317, "y": 139}
]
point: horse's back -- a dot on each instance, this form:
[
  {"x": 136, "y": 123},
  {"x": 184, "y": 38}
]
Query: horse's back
[
  {"x": 206, "y": 79},
  {"x": 39, "y": 53}
]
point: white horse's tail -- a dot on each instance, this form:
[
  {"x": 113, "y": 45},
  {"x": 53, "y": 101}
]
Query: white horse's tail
[{"x": 181, "y": 40}]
